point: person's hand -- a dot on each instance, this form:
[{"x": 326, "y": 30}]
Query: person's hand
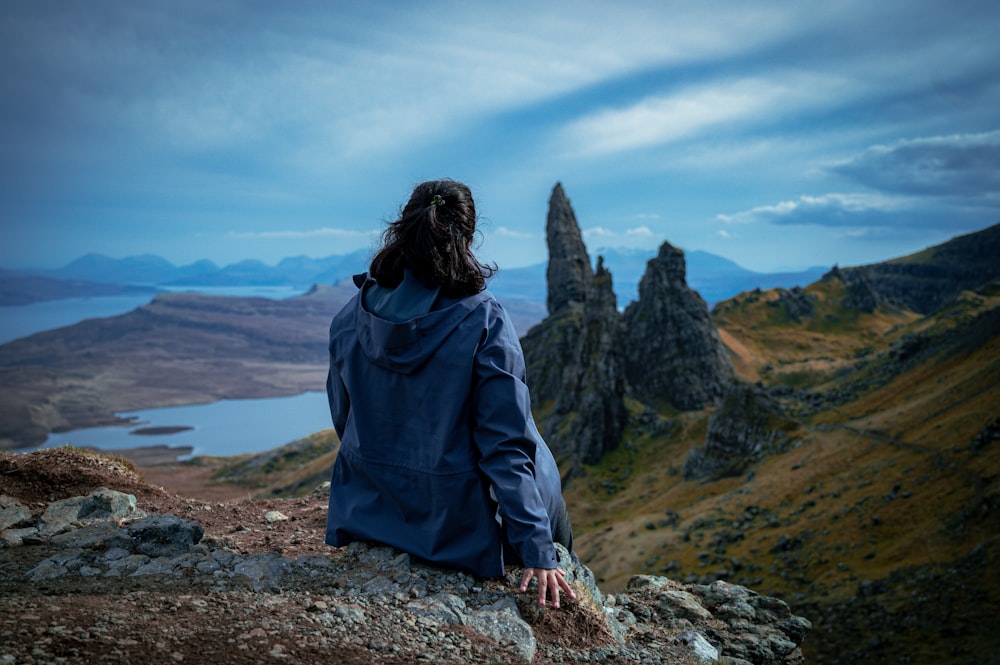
[{"x": 550, "y": 580}]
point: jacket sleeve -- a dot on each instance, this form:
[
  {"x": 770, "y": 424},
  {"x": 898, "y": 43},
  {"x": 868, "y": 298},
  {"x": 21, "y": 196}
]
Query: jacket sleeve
[
  {"x": 340, "y": 402},
  {"x": 336, "y": 391},
  {"x": 505, "y": 436}
]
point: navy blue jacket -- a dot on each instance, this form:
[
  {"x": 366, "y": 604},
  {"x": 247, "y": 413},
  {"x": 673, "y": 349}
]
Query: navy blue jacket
[{"x": 432, "y": 413}]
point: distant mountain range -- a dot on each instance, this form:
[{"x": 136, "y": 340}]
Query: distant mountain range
[
  {"x": 153, "y": 270},
  {"x": 714, "y": 277}
]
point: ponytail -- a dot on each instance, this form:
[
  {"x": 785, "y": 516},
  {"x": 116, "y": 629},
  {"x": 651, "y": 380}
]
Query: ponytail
[{"x": 433, "y": 239}]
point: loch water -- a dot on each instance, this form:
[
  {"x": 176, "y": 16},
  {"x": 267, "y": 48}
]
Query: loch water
[{"x": 227, "y": 427}]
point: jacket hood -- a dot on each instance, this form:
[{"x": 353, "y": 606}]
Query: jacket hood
[{"x": 406, "y": 345}]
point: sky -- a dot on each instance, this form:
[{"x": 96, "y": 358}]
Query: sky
[{"x": 780, "y": 135}]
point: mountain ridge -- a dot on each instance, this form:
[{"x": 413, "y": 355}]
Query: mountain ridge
[{"x": 713, "y": 276}]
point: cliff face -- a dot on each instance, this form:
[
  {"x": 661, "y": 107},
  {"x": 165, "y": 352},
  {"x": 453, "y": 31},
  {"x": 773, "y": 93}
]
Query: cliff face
[
  {"x": 585, "y": 357},
  {"x": 926, "y": 281}
]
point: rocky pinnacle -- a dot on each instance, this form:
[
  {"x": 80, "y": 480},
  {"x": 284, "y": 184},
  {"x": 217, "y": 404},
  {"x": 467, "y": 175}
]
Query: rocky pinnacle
[{"x": 569, "y": 274}]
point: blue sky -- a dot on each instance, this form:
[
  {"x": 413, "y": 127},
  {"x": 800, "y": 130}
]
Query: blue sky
[{"x": 777, "y": 134}]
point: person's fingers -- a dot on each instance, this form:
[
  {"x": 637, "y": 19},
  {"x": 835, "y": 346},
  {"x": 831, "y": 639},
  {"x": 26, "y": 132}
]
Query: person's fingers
[
  {"x": 551, "y": 583},
  {"x": 528, "y": 574},
  {"x": 565, "y": 585}
]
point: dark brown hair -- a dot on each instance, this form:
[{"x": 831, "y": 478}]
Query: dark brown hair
[{"x": 433, "y": 239}]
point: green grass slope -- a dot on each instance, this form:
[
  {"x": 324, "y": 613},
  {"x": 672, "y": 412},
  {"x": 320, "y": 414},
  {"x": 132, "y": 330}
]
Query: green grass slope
[{"x": 292, "y": 470}]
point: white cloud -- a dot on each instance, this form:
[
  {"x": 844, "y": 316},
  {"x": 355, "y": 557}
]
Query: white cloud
[
  {"x": 638, "y": 237},
  {"x": 826, "y": 210},
  {"x": 595, "y": 232},
  {"x": 859, "y": 232},
  {"x": 688, "y": 112},
  {"x": 507, "y": 232}
]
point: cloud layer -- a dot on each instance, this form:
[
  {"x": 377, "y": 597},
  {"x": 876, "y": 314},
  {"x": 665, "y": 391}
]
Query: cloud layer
[{"x": 220, "y": 129}]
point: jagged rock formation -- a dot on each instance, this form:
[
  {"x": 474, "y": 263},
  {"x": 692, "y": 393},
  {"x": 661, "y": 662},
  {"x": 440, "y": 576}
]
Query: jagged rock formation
[
  {"x": 673, "y": 350},
  {"x": 574, "y": 357},
  {"x": 569, "y": 275},
  {"x": 585, "y": 357},
  {"x": 159, "y": 588},
  {"x": 745, "y": 426}
]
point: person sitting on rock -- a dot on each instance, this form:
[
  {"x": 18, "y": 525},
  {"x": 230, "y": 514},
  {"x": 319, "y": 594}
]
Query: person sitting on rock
[{"x": 439, "y": 453}]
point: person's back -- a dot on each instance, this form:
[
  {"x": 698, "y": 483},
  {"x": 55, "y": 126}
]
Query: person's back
[{"x": 439, "y": 454}]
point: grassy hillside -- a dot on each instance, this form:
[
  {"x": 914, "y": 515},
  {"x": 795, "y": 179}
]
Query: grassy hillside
[
  {"x": 883, "y": 496},
  {"x": 292, "y": 470}
]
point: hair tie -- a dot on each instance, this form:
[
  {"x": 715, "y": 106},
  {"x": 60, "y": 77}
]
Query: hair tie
[{"x": 437, "y": 201}]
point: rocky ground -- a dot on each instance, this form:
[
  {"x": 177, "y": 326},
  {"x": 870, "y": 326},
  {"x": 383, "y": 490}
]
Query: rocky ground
[{"x": 99, "y": 565}]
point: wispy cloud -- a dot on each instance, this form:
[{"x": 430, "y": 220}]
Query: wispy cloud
[
  {"x": 635, "y": 237},
  {"x": 662, "y": 119},
  {"x": 691, "y": 111},
  {"x": 596, "y": 232},
  {"x": 507, "y": 232},
  {"x": 825, "y": 210}
]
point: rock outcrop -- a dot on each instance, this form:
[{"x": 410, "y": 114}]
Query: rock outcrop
[
  {"x": 746, "y": 426},
  {"x": 586, "y": 357},
  {"x": 795, "y": 302},
  {"x": 673, "y": 351},
  {"x": 189, "y": 593}
]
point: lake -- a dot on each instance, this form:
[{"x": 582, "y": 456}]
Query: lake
[{"x": 227, "y": 427}]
